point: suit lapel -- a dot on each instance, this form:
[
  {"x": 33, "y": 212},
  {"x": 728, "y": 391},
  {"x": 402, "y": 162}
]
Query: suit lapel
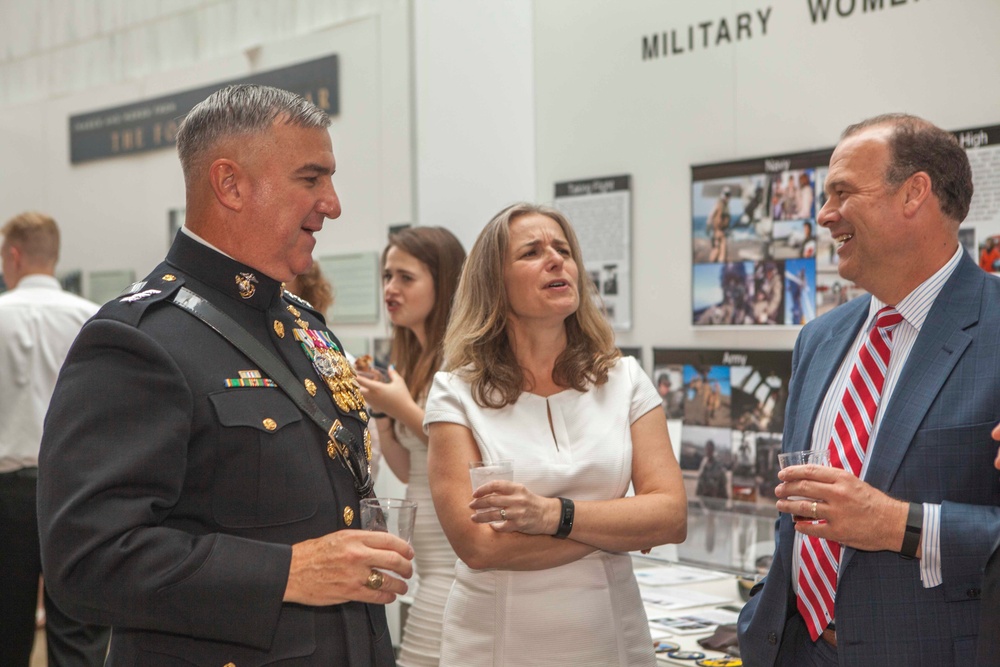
[
  {"x": 827, "y": 354},
  {"x": 943, "y": 339}
]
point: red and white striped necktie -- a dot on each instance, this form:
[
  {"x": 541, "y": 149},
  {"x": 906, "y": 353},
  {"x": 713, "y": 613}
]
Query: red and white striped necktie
[{"x": 819, "y": 559}]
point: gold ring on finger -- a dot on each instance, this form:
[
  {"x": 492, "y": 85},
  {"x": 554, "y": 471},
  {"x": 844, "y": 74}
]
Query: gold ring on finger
[
  {"x": 375, "y": 580},
  {"x": 503, "y": 514},
  {"x": 815, "y": 516}
]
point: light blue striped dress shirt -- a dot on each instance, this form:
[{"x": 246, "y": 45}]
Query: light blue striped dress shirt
[{"x": 914, "y": 309}]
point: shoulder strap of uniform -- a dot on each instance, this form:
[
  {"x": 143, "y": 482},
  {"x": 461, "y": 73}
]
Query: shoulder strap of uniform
[
  {"x": 133, "y": 302},
  {"x": 355, "y": 459}
]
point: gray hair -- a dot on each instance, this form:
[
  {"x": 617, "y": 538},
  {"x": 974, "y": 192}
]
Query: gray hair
[{"x": 241, "y": 109}]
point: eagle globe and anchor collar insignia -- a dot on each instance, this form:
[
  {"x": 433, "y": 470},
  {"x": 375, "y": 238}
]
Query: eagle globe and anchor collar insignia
[{"x": 245, "y": 283}]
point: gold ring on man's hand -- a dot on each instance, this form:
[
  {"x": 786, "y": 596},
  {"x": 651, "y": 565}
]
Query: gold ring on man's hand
[
  {"x": 375, "y": 580},
  {"x": 815, "y": 516}
]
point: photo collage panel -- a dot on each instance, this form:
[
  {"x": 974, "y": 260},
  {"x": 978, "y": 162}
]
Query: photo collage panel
[
  {"x": 759, "y": 257},
  {"x": 731, "y": 405}
]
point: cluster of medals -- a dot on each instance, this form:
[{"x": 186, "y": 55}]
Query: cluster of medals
[{"x": 333, "y": 367}]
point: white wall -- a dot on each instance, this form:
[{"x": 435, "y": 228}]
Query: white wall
[
  {"x": 475, "y": 133},
  {"x": 602, "y": 110},
  {"x": 113, "y": 212}
]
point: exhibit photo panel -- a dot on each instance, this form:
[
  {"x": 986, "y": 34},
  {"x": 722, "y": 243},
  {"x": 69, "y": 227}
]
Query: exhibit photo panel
[
  {"x": 759, "y": 255},
  {"x": 755, "y": 240},
  {"x": 728, "y": 407},
  {"x": 731, "y": 409}
]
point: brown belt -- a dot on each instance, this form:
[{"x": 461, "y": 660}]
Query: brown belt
[{"x": 830, "y": 636}]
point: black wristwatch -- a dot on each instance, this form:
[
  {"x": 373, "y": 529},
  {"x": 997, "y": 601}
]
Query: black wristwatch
[
  {"x": 566, "y": 520},
  {"x": 914, "y": 528}
]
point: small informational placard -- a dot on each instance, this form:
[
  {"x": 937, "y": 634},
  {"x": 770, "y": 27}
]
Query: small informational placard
[
  {"x": 980, "y": 232},
  {"x": 102, "y": 286},
  {"x": 72, "y": 281},
  {"x": 355, "y": 286},
  {"x": 600, "y": 210}
]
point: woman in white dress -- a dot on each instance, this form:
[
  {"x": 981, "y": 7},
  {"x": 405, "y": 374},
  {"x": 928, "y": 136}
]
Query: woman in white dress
[
  {"x": 421, "y": 267},
  {"x": 533, "y": 374}
]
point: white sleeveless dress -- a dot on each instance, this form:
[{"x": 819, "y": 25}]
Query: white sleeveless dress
[
  {"x": 435, "y": 564},
  {"x": 588, "y": 612}
]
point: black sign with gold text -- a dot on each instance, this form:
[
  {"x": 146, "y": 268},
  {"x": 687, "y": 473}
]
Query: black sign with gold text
[{"x": 152, "y": 124}]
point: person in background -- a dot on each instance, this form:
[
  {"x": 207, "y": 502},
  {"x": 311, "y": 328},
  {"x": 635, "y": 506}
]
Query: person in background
[
  {"x": 420, "y": 271},
  {"x": 804, "y": 197},
  {"x": 532, "y": 374},
  {"x": 185, "y": 498},
  {"x": 885, "y": 563},
  {"x": 712, "y": 479},
  {"x": 314, "y": 288},
  {"x": 807, "y": 247},
  {"x": 718, "y": 226},
  {"x": 38, "y": 323}
]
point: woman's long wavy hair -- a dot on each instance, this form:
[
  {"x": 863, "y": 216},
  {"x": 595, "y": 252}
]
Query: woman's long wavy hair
[
  {"x": 476, "y": 345},
  {"x": 443, "y": 255}
]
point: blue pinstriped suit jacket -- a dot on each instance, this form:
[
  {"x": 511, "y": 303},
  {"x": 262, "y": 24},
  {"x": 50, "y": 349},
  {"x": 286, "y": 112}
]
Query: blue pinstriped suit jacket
[{"x": 933, "y": 445}]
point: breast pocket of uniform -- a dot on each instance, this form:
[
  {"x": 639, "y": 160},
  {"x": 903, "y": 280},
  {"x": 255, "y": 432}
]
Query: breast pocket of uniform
[{"x": 264, "y": 469}]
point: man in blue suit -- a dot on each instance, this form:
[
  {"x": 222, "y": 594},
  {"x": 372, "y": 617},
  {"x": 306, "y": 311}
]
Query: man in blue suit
[
  {"x": 989, "y": 622},
  {"x": 919, "y": 521}
]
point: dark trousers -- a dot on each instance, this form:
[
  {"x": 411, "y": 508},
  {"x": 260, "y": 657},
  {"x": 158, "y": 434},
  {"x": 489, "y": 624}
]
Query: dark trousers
[
  {"x": 799, "y": 650},
  {"x": 69, "y": 642}
]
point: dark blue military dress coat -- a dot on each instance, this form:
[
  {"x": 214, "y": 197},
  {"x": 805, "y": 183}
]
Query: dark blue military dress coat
[{"x": 169, "y": 494}]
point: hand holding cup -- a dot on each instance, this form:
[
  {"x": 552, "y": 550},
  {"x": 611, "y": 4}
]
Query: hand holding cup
[
  {"x": 819, "y": 457},
  {"x": 482, "y": 472}
]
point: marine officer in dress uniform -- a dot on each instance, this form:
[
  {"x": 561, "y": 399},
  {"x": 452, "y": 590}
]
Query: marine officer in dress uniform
[{"x": 185, "y": 497}]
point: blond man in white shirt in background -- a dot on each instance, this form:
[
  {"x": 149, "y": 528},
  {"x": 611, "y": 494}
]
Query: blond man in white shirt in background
[{"x": 38, "y": 323}]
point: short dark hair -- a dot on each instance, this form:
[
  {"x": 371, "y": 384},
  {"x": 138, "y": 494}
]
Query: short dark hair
[{"x": 918, "y": 145}]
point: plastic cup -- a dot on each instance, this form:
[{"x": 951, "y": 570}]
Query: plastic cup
[
  {"x": 817, "y": 457},
  {"x": 481, "y": 472},
  {"x": 389, "y": 515}
]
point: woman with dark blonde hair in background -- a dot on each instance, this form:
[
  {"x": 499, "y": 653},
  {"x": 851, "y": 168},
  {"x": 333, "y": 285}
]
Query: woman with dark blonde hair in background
[
  {"x": 421, "y": 267},
  {"x": 533, "y": 374}
]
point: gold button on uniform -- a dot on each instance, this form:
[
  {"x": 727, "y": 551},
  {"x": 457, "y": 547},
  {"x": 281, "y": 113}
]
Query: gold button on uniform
[
  {"x": 279, "y": 329},
  {"x": 270, "y": 424},
  {"x": 310, "y": 387},
  {"x": 169, "y": 278},
  {"x": 348, "y": 515}
]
